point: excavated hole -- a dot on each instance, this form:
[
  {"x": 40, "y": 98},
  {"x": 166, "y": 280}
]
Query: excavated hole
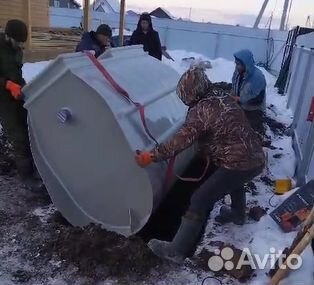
[{"x": 164, "y": 223}]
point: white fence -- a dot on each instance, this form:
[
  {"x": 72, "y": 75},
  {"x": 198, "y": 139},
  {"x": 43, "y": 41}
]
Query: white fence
[
  {"x": 299, "y": 89},
  {"x": 211, "y": 40}
]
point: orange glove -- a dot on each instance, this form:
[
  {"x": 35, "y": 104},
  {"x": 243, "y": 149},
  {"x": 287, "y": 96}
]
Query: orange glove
[
  {"x": 143, "y": 158},
  {"x": 14, "y": 89}
]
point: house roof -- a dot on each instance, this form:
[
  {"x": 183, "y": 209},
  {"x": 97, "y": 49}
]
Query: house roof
[
  {"x": 162, "y": 13},
  {"x": 114, "y": 4},
  {"x": 76, "y": 3}
]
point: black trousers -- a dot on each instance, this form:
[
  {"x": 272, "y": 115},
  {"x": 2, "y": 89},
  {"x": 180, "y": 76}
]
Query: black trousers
[
  {"x": 221, "y": 182},
  {"x": 13, "y": 118}
]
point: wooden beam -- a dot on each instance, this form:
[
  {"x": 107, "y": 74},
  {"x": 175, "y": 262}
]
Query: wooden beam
[
  {"x": 86, "y": 15},
  {"x": 29, "y": 23},
  {"x": 122, "y": 18}
]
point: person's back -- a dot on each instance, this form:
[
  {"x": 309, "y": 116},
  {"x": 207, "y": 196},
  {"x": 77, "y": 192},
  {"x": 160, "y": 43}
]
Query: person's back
[
  {"x": 146, "y": 35},
  {"x": 96, "y": 41}
]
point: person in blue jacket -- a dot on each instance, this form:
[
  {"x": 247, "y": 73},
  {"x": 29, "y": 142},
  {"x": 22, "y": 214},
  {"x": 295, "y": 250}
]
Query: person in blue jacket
[
  {"x": 96, "y": 41},
  {"x": 249, "y": 89}
]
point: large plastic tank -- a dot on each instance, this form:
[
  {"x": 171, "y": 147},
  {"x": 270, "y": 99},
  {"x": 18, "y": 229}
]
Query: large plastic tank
[{"x": 84, "y": 134}]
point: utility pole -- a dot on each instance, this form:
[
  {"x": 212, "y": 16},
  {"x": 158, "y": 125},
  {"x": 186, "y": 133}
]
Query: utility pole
[
  {"x": 86, "y": 16},
  {"x": 260, "y": 14},
  {"x": 190, "y": 14},
  {"x": 308, "y": 22},
  {"x": 284, "y": 15},
  {"x": 122, "y": 17}
]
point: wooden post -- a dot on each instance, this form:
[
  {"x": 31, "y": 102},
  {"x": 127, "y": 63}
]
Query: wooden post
[
  {"x": 86, "y": 15},
  {"x": 303, "y": 239},
  {"x": 121, "y": 27},
  {"x": 29, "y": 24}
]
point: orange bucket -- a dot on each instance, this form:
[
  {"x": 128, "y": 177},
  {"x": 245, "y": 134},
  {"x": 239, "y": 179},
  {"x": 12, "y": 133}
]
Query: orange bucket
[{"x": 282, "y": 186}]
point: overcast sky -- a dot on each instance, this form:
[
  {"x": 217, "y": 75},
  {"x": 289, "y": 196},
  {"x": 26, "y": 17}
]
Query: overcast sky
[{"x": 241, "y": 12}]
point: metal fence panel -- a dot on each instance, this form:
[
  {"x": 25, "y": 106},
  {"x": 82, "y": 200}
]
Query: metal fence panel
[
  {"x": 299, "y": 79},
  {"x": 300, "y": 92}
]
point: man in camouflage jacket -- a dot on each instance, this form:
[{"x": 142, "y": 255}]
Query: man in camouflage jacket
[{"x": 224, "y": 135}]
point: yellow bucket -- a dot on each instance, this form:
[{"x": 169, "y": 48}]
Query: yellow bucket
[{"x": 282, "y": 186}]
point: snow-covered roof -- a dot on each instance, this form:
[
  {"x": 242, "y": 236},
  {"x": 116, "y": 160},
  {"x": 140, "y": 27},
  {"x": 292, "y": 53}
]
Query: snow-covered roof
[
  {"x": 76, "y": 3},
  {"x": 113, "y": 4},
  {"x": 164, "y": 10}
]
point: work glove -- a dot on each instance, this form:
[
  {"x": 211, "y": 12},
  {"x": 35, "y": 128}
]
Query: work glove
[
  {"x": 14, "y": 89},
  {"x": 143, "y": 158}
]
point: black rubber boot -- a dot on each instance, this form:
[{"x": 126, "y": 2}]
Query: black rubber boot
[
  {"x": 236, "y": 213},
  {"x": 182, "y": 245}
]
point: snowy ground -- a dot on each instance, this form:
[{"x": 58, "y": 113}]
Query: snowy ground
[{"x": 259, "y": 237}]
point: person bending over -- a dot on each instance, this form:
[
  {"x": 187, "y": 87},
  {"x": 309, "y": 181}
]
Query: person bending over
[{"x": 219, "y": 126}]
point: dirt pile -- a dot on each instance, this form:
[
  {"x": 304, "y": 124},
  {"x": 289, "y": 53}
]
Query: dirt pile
[
  {"x": 276, "y": 127},
  {"x": 98, "y": 253},
  {"x": 7, "y": 165},
  {"x": 225, "y": 260}
]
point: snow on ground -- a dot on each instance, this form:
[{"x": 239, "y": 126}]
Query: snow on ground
[{"x": 259, "y": 237}]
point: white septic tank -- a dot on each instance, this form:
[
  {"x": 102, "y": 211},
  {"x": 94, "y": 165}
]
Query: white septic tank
[{"x": 84, "y": 135}]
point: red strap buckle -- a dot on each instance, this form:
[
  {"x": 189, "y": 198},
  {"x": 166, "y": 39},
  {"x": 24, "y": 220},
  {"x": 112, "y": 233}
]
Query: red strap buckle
[{"x": 310, "y": 116}]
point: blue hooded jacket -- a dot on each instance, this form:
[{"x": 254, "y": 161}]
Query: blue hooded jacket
[
  {"x": 89, "y": 42},
  {"x": 252, "y": 87}
]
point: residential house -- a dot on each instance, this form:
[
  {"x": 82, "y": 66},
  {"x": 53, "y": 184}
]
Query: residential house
[
  {"x": 72, "y": 4},
  {"x": 132, "y": 13},
  {"x": 161, "y": 13},
  {"x": 106, "y": 6}
]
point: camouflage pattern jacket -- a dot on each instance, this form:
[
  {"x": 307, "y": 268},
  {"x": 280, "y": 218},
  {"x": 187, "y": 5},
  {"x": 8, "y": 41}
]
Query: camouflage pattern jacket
[{"x": 217, "y": 123}]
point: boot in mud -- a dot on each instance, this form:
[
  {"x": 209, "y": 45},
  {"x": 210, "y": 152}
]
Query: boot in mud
[
  {"x": 28, "y": 174},
  {"x": 183, "y": 244},
  {"x": 228, "y": 215},
  {"x": 33, "y": 184},
  {"x": 236, "y": 213}
]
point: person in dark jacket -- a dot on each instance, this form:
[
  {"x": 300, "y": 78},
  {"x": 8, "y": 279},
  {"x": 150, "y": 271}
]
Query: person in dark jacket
[
  {"x": 13, "y": 116},
  {"x": 223, "y": 134},
  {"x": 97, "y": 41},
  {"x": 249, "y": 89},
  {"x": 146, "y": 35}
]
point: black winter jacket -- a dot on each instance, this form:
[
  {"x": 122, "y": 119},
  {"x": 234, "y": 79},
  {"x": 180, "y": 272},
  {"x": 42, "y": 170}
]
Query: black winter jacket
[
  {"x": 150, "y": 40},
  {"x": 10, "y": 64}
]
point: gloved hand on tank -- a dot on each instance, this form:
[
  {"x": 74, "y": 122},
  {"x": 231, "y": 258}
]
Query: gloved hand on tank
[
  {"x": 14, "y": 89},
  {"x": 143, "y": 158}
]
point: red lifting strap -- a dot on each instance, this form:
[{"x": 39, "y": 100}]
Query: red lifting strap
[
  {"x": 122, "y": 92},
  {"x": 140, "y": 107}
]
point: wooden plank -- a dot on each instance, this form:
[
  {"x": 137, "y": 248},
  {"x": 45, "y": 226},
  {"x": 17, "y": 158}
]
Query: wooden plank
[
  {"x": 16, "y": 9},
  {"x": 86, "y": 16},
  {"x": 29, "y": 23},
  {"x": 122, "y": 18},
  {"x": 302, "y": 240}
]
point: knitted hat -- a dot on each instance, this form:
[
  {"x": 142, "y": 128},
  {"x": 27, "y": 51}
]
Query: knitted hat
[
  {"x": 16, "y": 30},
  {"x": 105, "y": 30}
]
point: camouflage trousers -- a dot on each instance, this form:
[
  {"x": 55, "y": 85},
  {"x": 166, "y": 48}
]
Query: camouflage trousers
[{"x": 13, "y": 118}]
